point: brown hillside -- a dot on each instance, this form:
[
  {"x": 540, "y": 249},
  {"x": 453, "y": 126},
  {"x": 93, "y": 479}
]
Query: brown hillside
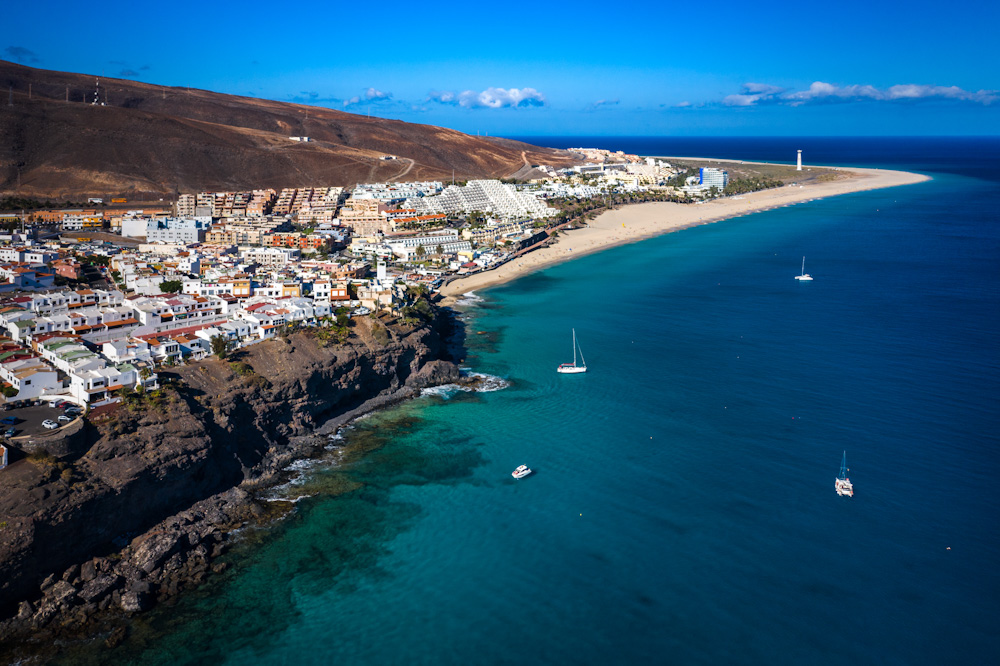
[{"x": 154, "y": 140}]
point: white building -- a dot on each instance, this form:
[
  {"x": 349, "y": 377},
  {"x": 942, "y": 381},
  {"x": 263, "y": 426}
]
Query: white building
[
  {"x": 177, "y": 230},
  {"x": 487, "y": 196},
  {"x": 270, "y": 256},
  {"x": 448, "y": 241},
  {"x": 31, "y": 377},
  {"x": 709, "y": 177}
]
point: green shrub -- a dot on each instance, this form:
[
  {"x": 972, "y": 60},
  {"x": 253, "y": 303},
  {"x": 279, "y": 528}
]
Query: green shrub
[{"x": 242, "y": 369}]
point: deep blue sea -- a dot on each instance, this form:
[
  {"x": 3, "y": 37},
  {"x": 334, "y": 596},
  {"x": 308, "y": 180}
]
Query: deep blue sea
[{"x": 683, "y": 508}]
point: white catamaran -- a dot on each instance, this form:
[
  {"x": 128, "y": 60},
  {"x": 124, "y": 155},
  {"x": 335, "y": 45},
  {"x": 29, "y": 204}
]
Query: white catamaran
[
  {"x": 573, "y": 368},
  {"x": 804, "y": 276},
  {"x": 843, "y": 485}
]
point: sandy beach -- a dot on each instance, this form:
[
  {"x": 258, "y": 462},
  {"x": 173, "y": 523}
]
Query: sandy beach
[{"x": 632, "y": 223}]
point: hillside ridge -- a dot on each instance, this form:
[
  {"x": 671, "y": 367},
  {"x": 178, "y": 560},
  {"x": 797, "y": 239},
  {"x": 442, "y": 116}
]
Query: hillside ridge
[{"x": 152, "y": 141}]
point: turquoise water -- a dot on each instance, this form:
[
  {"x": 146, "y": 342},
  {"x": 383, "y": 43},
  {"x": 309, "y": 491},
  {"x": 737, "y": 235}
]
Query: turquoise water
[{"x": 682, "y": 509}]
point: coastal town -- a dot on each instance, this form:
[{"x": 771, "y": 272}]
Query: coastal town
[
  {"x": 342, "y": 350},
  {"x": 96, "y": 300},
  {"x": 213, "y": 341}
]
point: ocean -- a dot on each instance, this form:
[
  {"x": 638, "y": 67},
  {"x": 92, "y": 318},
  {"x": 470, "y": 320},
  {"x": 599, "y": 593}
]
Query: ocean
[{"x": 683, "y": 508}]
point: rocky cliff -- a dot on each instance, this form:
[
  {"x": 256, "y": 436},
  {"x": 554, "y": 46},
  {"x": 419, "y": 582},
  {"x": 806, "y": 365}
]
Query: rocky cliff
[{"x": 143, "y": 507}]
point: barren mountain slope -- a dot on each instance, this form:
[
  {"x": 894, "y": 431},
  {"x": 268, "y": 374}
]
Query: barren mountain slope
[{"x": 155, "y": 140}]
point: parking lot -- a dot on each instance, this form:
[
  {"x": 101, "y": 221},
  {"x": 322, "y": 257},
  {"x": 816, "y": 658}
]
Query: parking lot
[{"x": 29, "y": 420}]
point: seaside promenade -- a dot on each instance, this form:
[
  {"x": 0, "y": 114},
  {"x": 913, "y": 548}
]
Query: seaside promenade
[{"x": 636, "y": 222}]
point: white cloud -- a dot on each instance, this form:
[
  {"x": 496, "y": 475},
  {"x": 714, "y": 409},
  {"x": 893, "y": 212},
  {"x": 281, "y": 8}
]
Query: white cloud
[
  {"x": 604, "y": 102},
  {"x": 352, "y": 100},
  {"x": 752, "y": 94},
  {"x": 442, "y": 97},
  {"x": 376, "y": 94},
  {"x": 821, "y": 92},
  {"x": 491, "y": 98}
]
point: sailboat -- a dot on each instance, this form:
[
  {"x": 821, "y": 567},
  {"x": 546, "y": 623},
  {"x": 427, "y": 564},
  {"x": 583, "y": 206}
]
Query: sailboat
[
  {"x": 804, "y": 276},
  {"x": 573, "y": 368},
  {"x": 843, "y": 485}
]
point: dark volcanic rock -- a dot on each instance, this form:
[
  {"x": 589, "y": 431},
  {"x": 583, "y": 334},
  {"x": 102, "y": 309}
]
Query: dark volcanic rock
[
  {"x": 60, "y": 592},
  {"x": 171, "y": 475},
  {"x": 88, "y": 571},
  {"x": 434, "y": 373},
  {"x": 117, "y": 636},
  {"x": 133, "y": 602},
  {"x": 152, "y": 552},
  {"x": 96, "y": 589},
  {"x": 25, "y": 610}
]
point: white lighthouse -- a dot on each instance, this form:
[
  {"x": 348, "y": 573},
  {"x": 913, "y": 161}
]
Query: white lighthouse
[{"x": 798, "y": 164}]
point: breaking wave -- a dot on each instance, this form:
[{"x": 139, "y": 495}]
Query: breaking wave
[
  {"x": 468, "y": 299},
  {"x": 480, "y": 382}
]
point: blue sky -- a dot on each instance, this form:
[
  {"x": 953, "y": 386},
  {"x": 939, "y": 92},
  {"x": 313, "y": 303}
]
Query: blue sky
[{"x": 557, "y": 68}]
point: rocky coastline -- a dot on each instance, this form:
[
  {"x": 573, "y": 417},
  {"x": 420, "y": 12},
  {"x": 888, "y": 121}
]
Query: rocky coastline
[{"x": 148, "y": 496}]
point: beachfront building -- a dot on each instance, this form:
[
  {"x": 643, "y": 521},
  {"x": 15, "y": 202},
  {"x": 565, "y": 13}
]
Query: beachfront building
[
  {"x": 447, "y": 240},
  {"x": 709, "y": 177},
  {"x": 487, "y": 196},
  {"x": 489, "y": 234}
]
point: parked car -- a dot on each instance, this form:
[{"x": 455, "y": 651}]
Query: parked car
[
  {"x": 61, "y": 404},
  {"x": 10, "y": 432},
  {"x": 8, "y": 420},
  {"x": 63, "y": 418},
  {"x": 49, "y": 424}
]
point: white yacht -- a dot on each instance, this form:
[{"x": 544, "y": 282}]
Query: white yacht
[
  {"x": 573, "y": 368},
  {"x": 805, "y": 276},
  {"x": 521, "y": 472},
  {"x": 843, "y": 485}
]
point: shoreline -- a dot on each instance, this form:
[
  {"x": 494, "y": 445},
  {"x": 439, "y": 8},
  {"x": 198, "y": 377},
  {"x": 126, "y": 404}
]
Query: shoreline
[
  {"x": 635, "y": 222},
  {"x": 103, "y": 590}
]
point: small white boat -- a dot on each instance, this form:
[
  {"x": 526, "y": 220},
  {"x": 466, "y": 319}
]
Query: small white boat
[
  {"x": 521, "y": 472},
  {"x": 843, "y": 485},
  {"x": 805, "y": 276},
  {"x": 573, "y": 368}
]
